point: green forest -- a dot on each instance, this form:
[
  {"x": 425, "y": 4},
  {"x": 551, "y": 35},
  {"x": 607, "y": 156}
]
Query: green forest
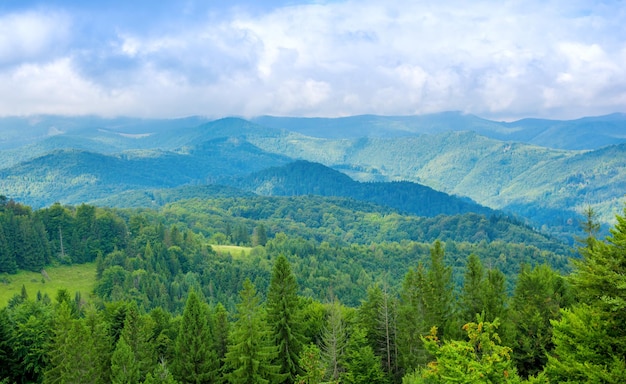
[{"x": 331, "y": 290}]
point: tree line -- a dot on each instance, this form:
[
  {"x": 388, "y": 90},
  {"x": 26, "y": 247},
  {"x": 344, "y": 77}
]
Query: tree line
[{"x": 163, "y": 310}]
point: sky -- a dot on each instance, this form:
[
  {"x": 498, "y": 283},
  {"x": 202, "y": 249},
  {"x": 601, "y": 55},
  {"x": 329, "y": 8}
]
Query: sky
[{"x": 165, "y": 59}]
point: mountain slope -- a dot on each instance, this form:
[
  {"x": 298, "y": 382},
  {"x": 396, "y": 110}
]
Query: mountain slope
[
  {"x": 73, "y": 176},
  {"x": 305, "y": 178},
  {"x": 585, "y": 133},
  {"x": 497, "y": 174}
]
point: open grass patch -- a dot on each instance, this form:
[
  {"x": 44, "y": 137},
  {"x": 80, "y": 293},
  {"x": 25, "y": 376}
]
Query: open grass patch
[
  {"x": 233, "y": 250},
  {"x": 75, "y": 278}
]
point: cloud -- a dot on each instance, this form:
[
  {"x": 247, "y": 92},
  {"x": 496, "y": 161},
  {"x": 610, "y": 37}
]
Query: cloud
[
  {"x": 31, "y": 36},
  {"x": 504, "y": 60}
]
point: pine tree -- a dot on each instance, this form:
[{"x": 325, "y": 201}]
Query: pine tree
[
  {"x": 472, "y": 299},
  {"x": 334, "y": 340},
  {"x": 7, "y": 258},
  {"x": 195, "y": 360},
  {"x": 362, "y": 365},
  {"x": 221, "y": 331},
  {"x": 539, "y": 295},
  {"x": 411, "y": 322},
  {"x": 439, "y": 292},
  {"x": 312, "y": 366},
  {"x": 590, "y": 338},
  {"x": 283, "y": 315},
  {"x": 378, "y": 314},
  {"x": 136, "y": 333},
  {"x": 124, "y": 368},
  {"x": 251, "y": 351},
  {"x": 161, "y": 375},
  {"x": 495, "y": 297}
]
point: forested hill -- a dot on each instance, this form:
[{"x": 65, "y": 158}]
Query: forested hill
[
  {"x": 584, "y": 133},
  {"x": 305, "y": 178},
  {"x": 74, "y": 160}
]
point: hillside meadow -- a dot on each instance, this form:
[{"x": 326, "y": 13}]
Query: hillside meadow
[{"x": 74, "y": 278}]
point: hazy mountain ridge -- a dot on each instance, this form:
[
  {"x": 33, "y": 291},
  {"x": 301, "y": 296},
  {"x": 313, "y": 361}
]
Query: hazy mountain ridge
[
  {"x": 547, "y": 185},
  {"x": 584, "y": 133}
]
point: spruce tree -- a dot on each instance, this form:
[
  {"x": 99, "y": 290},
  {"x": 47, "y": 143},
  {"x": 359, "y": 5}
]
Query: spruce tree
[
  {"x": 124, "y": 369},
  {"x": 283, "y": 315},
  {"x": 136, "y": 333},
  {"x": 590, "y": 338},
  {"x": 411, "y": 321},
  {"x": 439, "y": 292},
  {"x": 195, "y": 360},
  {"x": 334, "y": 340},
  {"x": 472, "y": 299},
  {"x": 251, "y": 351}
]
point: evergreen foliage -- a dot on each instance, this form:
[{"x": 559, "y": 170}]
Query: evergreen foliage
[
  {"x": 195, "y": 360},
  {"x": 283, "y": 315},
  {"x": 251, "y": 353}
]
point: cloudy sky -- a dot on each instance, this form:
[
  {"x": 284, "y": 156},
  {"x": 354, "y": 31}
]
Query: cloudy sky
[{"x": 496, "y": 59}]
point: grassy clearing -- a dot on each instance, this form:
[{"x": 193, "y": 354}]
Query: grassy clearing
[
  {"x": 233, "y": 250},
  {"x": 74, "y": 278}
]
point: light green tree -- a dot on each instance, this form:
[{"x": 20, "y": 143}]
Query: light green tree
[
  {"x": 479, "y": 359},
  {"x": 251, "y": 351}
]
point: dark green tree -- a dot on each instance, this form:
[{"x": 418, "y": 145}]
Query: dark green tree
[
  {"x": 284, "y": 317},
  {"x": 195, "y": 359},
  {"x": 539, "y": 295},
  {"x": 439, "y": 299},
  {"x": 590, "y": 338},
  {"x": 137, "y": 335},
  {"x": 251, "y": 351},
  {"x": 411, "y": 321},
  {"x": 362, "y": 365},
  {"x": 472, "y": 298}
]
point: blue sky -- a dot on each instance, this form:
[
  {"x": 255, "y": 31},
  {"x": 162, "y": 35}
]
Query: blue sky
[{"x": 496, "y": 59}]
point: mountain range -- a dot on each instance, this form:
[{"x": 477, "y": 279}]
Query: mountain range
[{"x": 542, "y": 170}]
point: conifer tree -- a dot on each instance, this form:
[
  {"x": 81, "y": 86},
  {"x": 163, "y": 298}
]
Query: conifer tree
[
  {"x": 136, "y": 333},
  {"x": 590, "y": 338},
  {"x": 538, "y": 297},
  {"x": 312, "y": 366},
  {"x": 7, "y": 258},
  {"x": 472, "y": 299},
  {"x": 124, "y": 369},
  {"x": 411, "y": 322},
  {"x": 251, "y": 351},
  {"x": 220, "y": 332},
  {"x": 334, "y": 340},
  {"x": 439, "y": 292},
  {"x": 362, "y": 365},
  {"x": 195, "y": 360},
  {"x": 283, "y": 315},
  {"x": 161, "y": 375}
]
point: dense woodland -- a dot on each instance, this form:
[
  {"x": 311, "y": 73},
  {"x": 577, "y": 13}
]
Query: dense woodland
[{"x": 464, "y": 298}]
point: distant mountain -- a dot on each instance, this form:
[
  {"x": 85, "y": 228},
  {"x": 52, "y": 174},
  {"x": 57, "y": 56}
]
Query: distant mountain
[
  {"x": 585, "y": 133},
  {"x": 306, "y": 178},
  {"x": 74, "y": 176},
  {"x": 87, "y": 158},
  {"x": 546, "y": 185}
]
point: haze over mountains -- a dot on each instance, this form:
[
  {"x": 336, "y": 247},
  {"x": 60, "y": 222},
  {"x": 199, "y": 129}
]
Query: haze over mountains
[{"x": 543, "y": 170}]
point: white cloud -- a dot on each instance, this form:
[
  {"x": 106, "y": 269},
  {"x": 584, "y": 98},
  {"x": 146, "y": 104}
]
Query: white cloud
[
  {"x": 31, "y": 36},
  {"x": 556, "y": 59}
]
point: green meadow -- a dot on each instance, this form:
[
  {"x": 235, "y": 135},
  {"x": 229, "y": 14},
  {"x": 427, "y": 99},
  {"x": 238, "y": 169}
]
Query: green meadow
[
  {"x": 75, "y": 278},
  {"x": 233, "y": 250}
]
